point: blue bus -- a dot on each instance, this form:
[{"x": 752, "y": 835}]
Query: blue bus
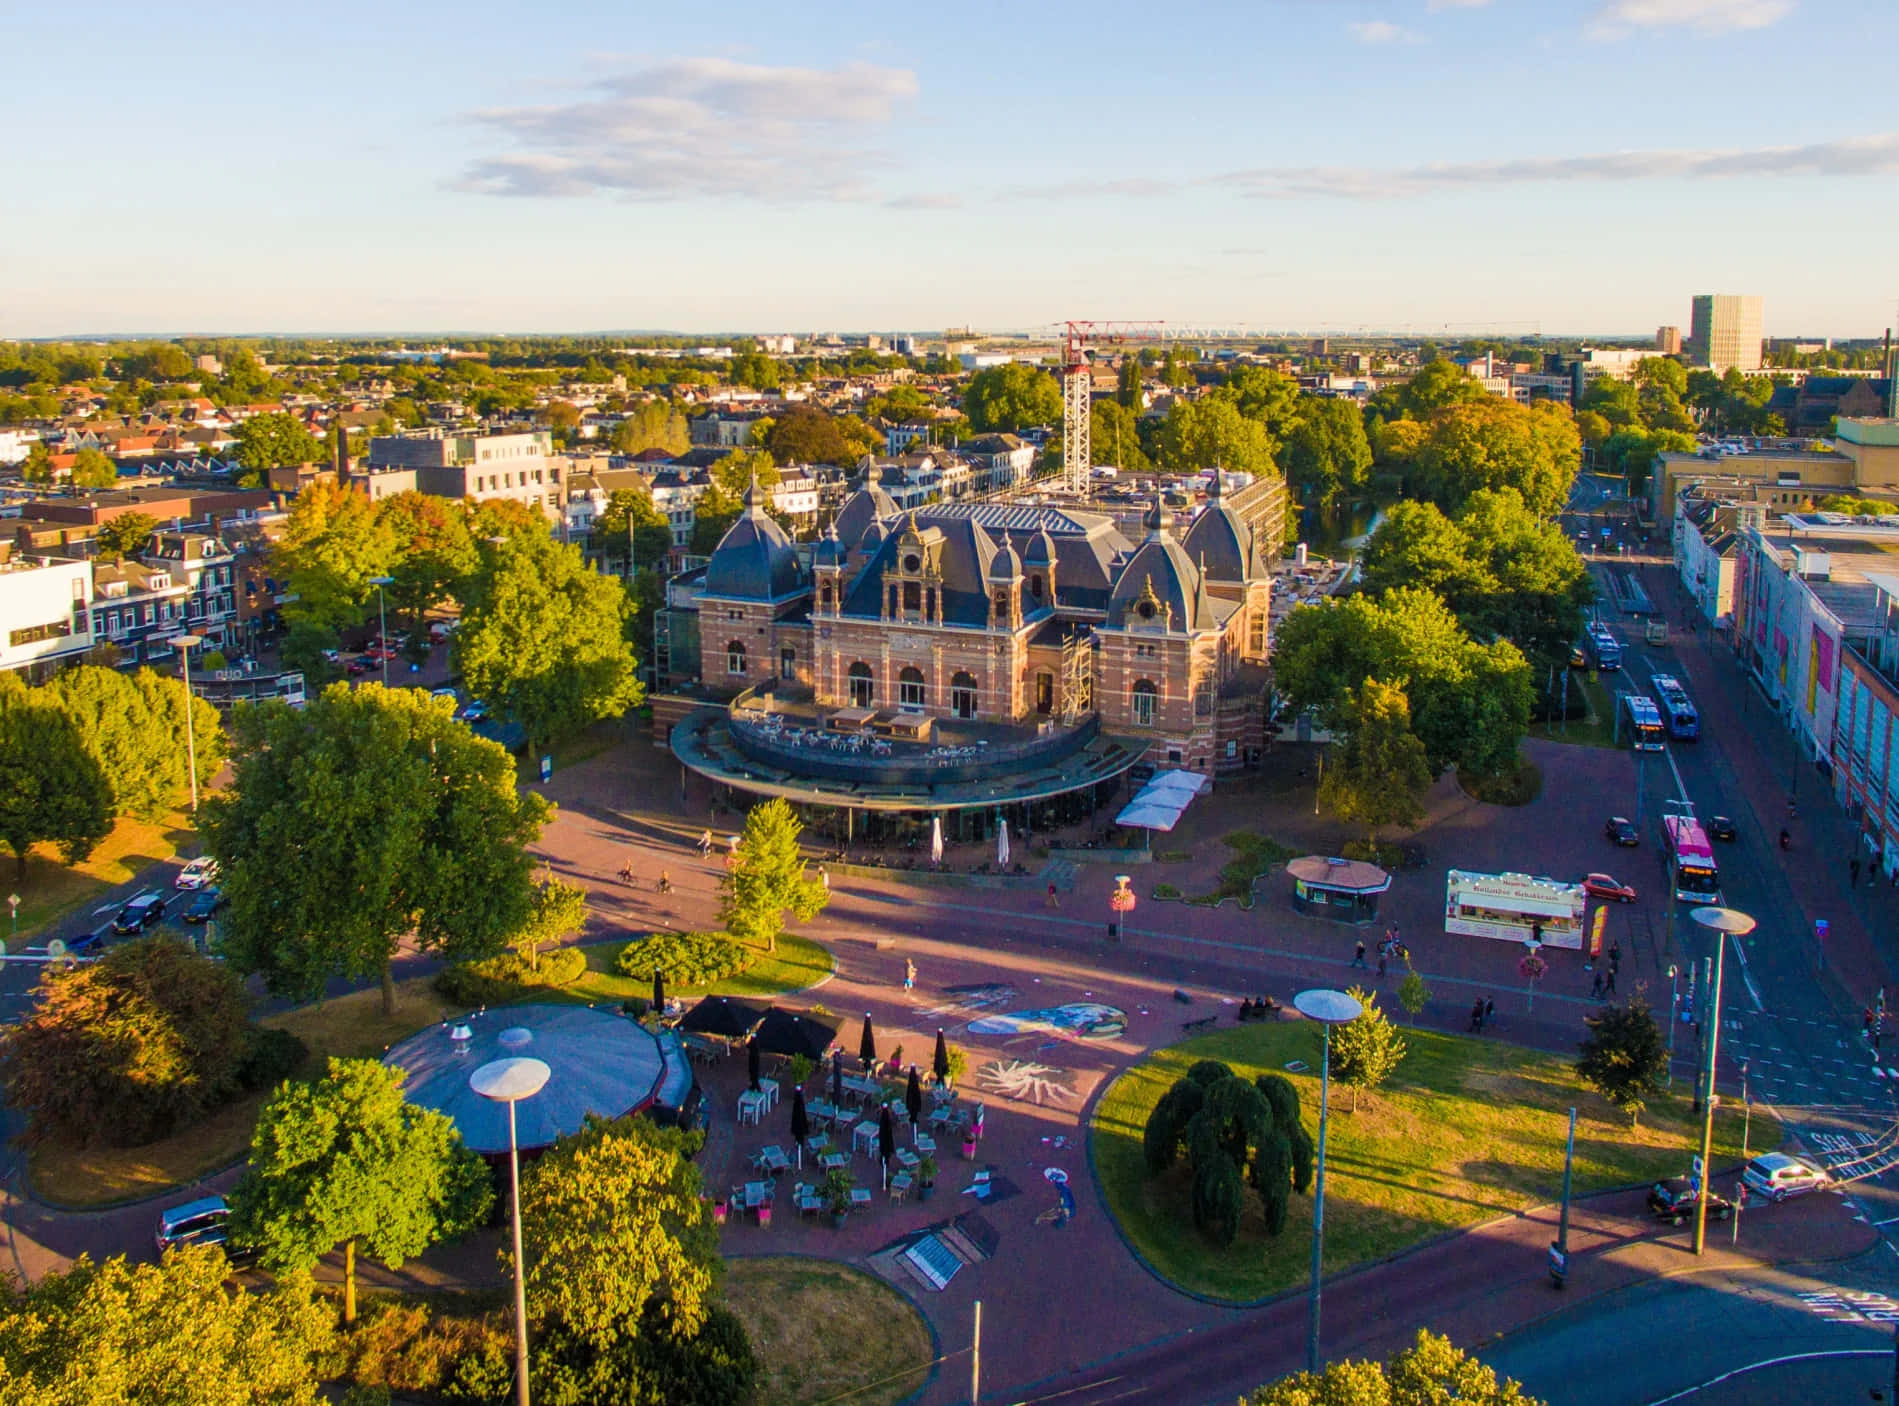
[
  {"x": 1644, "y": 722},
  {"x": 1678, "y": 714},
  {"x": 1605, "y": 651}
]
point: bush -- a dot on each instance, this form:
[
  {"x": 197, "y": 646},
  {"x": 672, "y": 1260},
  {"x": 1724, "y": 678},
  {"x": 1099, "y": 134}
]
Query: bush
[
  {"x": 272, "y": 1057},
  {"x": 1166, "y": 891},
  {"x": 1517, "y": 786},
  {"x": 647, "y": 1364},
  {"x": 686, "y": 958},
  {"x": 128, "y": 1049},
  {"x": 635, "y": 1006},
  {"x": 498, "y": 980},
  {"x": 403, "y": 1346}
]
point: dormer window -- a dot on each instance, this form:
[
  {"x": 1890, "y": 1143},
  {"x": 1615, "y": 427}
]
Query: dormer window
[{"x": 912, "y": 562}]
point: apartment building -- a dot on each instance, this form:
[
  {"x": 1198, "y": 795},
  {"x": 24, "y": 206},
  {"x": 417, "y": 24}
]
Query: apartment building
[
  {"x": 1724, "y": 332},
  {"x": 45, "y": 612},
  {"x": 520, "y": 467}
]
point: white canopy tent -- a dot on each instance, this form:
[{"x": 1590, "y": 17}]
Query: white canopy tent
[{"x": 1161, "y": 802}]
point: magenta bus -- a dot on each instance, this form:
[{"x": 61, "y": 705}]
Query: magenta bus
[{"x": 1691, "y": 860}]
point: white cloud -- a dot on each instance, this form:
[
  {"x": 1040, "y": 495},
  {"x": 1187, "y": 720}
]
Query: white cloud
[
  {"x": 701, "y": 127},
  {"x": 1852, "y": 156},
  {"x": 1381, "y": 32},
  {"x": 1613, "y": 18}
]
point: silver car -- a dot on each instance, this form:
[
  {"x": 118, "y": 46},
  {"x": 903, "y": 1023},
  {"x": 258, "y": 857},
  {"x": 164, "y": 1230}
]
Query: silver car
[{"x": 1777, "y": 1176}]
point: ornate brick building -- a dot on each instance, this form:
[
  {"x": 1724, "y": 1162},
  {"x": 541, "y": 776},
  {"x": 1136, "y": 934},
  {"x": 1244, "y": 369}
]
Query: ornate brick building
[{"x": 1036, "y": 617}]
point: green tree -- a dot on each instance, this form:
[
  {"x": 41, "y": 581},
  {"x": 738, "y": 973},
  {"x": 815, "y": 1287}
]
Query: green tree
[
  {"x": 559, "y": 911},
  {"x": 1116, "y": 438},
  {"x": 38, "y": 465},
  {"x": 652, "y": 424},
  {"x": 334, "y": 541},
  {"x": 127, "y": 1049},
  {"x": 1380, "y": 771},
  {"x": 363, "y": 819},
  {"x": 738, "y": 470},
  {"x": 348, "y": 1159},
  {"x": 432, "y": 553},
  {"x": 160, "y": 1335},
  {"x": 652, "y": 534},
  {"x": 1012, "y": 397},
  {"x": 165, "y": 700},
  {"x": 52, "y": 787},
  {"x": 1413, "y": 993},
  {"x": 1268, "y": 397},
  {"x": 276, "y": 441},
  {"x": 92, "y": 469},
  {"x": 1366, "y": 1050},
  {"x": 1430, "y": 1372},
  {"x": 755, "y": 369},
  {"x": 713, "y": 516},
  {"x": 805, "y": 434},
  {"x": 1127, "y": 386},
  {"x": 543, "y": 641},
  {"x": 1326, "y": 454},
  {"x": 613, "y": 1224},
  {"x": 1437, "y": 385},
  {"x": 1493, "y": 443},
  {"x": 137, "y": 756},
  {"x": 1211, "y": 432},
  {"x": 1231, "y": 1129},
  {"x": 127, "y": 535},
  {"x": 1624, "y": 1057},
  {"x": 767, "y": 878}
]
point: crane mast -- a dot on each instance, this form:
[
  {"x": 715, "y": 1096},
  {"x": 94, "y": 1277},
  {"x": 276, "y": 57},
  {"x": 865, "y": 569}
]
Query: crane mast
[{"x": 1078, "y": 395}]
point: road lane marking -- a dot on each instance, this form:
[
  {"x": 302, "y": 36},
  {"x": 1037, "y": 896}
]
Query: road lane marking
[{"x": 1773, "y": 1362}]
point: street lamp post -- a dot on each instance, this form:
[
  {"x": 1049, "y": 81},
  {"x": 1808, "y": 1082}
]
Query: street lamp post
[
  {"x": 509, "y": 1081},
  {"x": 1329, "y": 1008},
  {"x": 1674, "y": 1016},
  {"x": 1722, "y": 922},
  {"x": 382, "y": 623},
  {"x": 184, "y": 644},
  {"x": 13, "y": 902}
]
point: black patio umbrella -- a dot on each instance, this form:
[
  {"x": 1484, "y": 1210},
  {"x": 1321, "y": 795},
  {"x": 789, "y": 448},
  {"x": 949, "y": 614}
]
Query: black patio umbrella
[
  {"x": 720, "y": 1015},
  {"x": 800, "y": 1123},
  {"x": 867, "y": 1046},
  {"x": 913, "y": 1099},
  {"x": 837, "y": 1076},
  {"x": 790, "y": 1033},
  {"x": 751, "y": 1061},
  {"x": 886, "y": 1141},
  {"x": 941, "y": 1063},
  {"x": 659, "y": 992}
]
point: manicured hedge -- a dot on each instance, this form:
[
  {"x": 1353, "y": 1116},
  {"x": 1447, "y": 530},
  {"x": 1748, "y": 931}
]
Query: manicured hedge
[{"x": 687, "y": 958}]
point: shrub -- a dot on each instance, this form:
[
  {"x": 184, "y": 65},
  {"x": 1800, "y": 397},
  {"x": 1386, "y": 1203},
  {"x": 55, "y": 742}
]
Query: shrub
[
  {"x": 648, "y": 1363},
  {"x": 128, "y": 1049},
  {"x": 686, "y": 958},
  {"x": 404, "y": 1346},
  {"x": 1166, "y": 891},
  {"x": 498, "y": 980},
  {"x": 271, "y": 1057},
  {"x": 799, "y": 1069}
]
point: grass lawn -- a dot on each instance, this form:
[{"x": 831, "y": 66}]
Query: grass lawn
[
  {"x": 351, "y": 1026},
  {"x": 1254, "y": 855},
  {"x": 1595, "y": 730},
  {"x": 798, "y": 963},
  {"x": 823, "y": 1331},
  {"x": 53, "y": 888},
  {"x": 1466, "y": 1130}
]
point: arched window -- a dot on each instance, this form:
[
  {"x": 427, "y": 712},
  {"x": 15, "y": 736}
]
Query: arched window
[
  {"x": 912, "y": 596},
  {"x": 963, "y": 696},
  {"x": 910, "y": 692},
  {"x": 861, "y": 689},
  {"x": 1045, "y": 693},
  {"x": 1002, "y": 605},
  {"x": 1035, "y": 586},
  {"x": 735, "y": 657},
  {"x": 1146, "y": 703}
]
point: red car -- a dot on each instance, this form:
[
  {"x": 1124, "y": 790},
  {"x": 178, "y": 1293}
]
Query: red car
[{"x": 1606, "y": 888}]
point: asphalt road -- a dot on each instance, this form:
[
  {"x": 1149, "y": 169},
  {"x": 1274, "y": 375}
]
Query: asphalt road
[{"x": 1774, "y": 1336}]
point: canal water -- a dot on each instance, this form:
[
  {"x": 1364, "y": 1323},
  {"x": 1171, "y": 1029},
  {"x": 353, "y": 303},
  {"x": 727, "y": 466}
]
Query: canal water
[{"x": 1344, "y": 529}]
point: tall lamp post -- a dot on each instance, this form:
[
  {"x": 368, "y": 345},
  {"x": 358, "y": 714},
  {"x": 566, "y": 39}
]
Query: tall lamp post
[
  {"x": 509, "y": 1081},
  {"x": 1329, "y": 1008},
  {"x": 184, "y": 644},
  {"x": 1674, "y": 1018},
  {"x": 1723, "y": 923},
  {"x": 382, "y": 623}
]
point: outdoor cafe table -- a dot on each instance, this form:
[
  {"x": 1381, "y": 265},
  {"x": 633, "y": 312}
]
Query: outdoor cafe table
[
  {"x": 751, "y": 1106},
  {"x": 860, "y": 1196},
  {"x": 772, "y": 1159},
  {"x": 864, "y": 1137},
  {"x": 756, "y": 1194},
  {"x": 907, "y": 1159},
  {"x": 820, "y": 1111},
  {"x": 769, "y": 1087},
  {"x": 867, "y": 1088},
  {"x": 833, "y": 1161},
  {"x": 925, "y": 1143}
]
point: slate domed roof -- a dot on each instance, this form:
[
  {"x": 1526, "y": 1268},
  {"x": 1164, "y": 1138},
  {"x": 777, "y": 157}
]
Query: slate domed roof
[
  {"x": 1160, "y": 577},
  {"x": 754, "y": 560},
  {"x": 867, "y": 505},
  {"x": 1006, "y": 565},
  {"x": 1220, "y": 539},
  {"x": 830, "y": 551},
  {"x": 1041, "y": 550}
]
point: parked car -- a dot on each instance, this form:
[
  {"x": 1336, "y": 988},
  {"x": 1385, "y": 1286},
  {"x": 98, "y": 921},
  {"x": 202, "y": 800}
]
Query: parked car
[
  {"x": 439, "y": 631},
  {"x": 1621, "y": 830},
  {"x": 145, "y": 910},
  {"x": 447, "y": 693},
  {"x": 204, "y": 905},
  {"x": 332, "y": 656},
  {"x": 205, "y": 1221},
  {"x": 202, "y": 872},
  {"x": 1777, "y": 1176},
  {"x": 1674, "y": 1200},
  {"x": 359, "y": 665},
  {"x": 475, "y": 711},
  {"x": 1605, "y": 887},
  {"x": 92, "y": 940},
  {"x": 1578, "y": 659},
  {"x": 1721, "y": 828}
]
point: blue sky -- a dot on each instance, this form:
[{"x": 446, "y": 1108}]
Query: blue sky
[{"x": 1432, "y": 165}]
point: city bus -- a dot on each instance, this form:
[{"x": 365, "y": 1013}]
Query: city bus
[
  {"x": 1678, "y": 714},
  {"x": 1514, "y": 907},
  {"x": 1644, "y": 722},
  {"x": 1605, "y": 651},
  {"x": 1690, "y": 860}
]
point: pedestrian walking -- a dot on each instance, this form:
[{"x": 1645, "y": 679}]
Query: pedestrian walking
[
  {"x": 1490, "y": 1010},
  {"x": 1853, "y": 869},
  {"x": 1358, "y": 953},
  {"x": 1381, "y": 962},
  {"x": 705, "y": 845},
  {"x": 1615, "y": 953},
  {"x": 1595, "y": 986},
  {"x": 909, "y": 975},
  {"x": 1866, "y": 1023},
  {"x": 1477, "y": 1016},
  {"x": 824, "y": 877},
  {"x": 1608, "y": 985},
  {"x": 1053, "y": 902}
]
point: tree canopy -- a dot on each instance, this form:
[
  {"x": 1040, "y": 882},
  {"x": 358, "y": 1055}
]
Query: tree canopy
[
  {"x": 275, "y": 441},
  {"x": 160, "y": 1335},
  {"x": 1211, "y": 432},
  {"x": 1430, "y": 1372},
  {"x": 1012, "y": 397},
  {"x": 432, "y": 552},
  {"x": 1366, "y": 1050},
  {"x": 52, "y": 786},
  {"x": 334, "y": 541},
  {"x": 1378, "y": 774},
  {"x": 366, "y": 817},
  {"x": 804, "y": 434},
  {"x": 652, "y": 424},
  {"x": 126, "y": 535},
  {"x": 131, "y": 724},
  {"x": 347, "y": 1159},
  {"x": 767, "y": 878},
  {"x": 543, "y": 639},
  {"x": 652, "y": 535},
  {"x": 1326, "y": 454},
  {"x": 1494, "y": 443},
  {"x": 92, "y": 469},
  {"x": 1624, "y": 1056}
]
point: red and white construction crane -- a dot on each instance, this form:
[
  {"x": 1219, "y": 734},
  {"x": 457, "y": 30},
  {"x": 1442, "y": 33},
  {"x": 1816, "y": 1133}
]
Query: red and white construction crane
[{"x": 1078, "y": 340}]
